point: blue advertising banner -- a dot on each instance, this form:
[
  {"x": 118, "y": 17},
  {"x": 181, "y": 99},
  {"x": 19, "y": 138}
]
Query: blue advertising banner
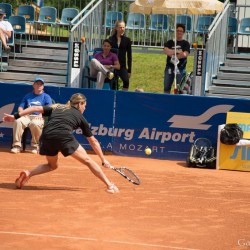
[
  {"x": 128, "y": 122},
  {"x": 168, "y": 124}
]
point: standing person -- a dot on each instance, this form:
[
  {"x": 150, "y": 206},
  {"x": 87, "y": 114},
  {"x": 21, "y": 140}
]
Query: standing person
[
  {"x": 57, "y": 136},
  {"x": 103, "y": 64},
  {"x": 34, "y": 121},
  {"x": 5, "y": 31},
  {"x": 123, "y": 44},
  {"x": 182, "y": 50}
]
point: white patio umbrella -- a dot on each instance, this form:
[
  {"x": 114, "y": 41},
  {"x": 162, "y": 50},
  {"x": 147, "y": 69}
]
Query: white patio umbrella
[{"x": 205, "y": 7}]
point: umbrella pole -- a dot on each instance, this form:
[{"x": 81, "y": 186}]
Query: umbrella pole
[{"x": 175, "y": 55}]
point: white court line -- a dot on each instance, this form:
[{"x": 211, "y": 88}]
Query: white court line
[{"x": 93, "y": 239}]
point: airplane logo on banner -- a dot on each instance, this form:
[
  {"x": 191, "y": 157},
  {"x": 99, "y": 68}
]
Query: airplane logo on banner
[
  {"x": 197, "y": 122},
  {"x": 7, "y": 109}
]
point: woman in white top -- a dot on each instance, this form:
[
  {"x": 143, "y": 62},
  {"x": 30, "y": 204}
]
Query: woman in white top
[{"x": 5, "y": 31}]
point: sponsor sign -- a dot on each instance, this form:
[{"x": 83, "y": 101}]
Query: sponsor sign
[
  {"x": 242, "y": 119},
  {"x": 232, "y": 157},
  {"x": 76, "y": 63},
  {"x": 128, "y": 122}
]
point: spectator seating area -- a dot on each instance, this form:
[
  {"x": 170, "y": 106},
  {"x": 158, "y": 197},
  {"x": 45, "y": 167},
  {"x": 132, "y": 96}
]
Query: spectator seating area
[
  {"x": 144, "y": 30},
  {"x": 29, "y": 23}
]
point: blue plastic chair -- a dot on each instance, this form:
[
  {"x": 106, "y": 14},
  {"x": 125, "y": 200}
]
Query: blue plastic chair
[
  {"x": 137, "y": 23},
  {"x": 111, "y": 18},
  {"x": 232, "y": 26},
  {"x": 186, "y": 20},
  {"x": 11, "y": 42},
  {"x": 203, "y": 24},
  {"x": 47, "y": 16},
  {"x": 27, "y": 11},
  {"x": 7, "y": 9},
  {"x": 68, "y": 14},
  {"x": 158, "y": 25},
  {"x": 244, "y": 28},
  {"x": 19, "y": 25},
  {"x": 158, "y": 22}
]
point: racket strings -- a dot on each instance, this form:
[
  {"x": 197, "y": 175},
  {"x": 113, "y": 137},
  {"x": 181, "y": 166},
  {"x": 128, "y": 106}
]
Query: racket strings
[{"x": 129, "y": 174}]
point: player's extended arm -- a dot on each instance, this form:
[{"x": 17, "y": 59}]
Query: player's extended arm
[
  {"x": 30, "y": 110},
  {"x": 98, "y": 150}
]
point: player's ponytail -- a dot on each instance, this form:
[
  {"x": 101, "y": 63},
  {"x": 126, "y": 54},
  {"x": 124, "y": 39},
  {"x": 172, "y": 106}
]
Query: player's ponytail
[{"x": 74, "y": 101}]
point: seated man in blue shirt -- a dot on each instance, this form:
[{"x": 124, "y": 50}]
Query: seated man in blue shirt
[{"x": 34, "y": 121}]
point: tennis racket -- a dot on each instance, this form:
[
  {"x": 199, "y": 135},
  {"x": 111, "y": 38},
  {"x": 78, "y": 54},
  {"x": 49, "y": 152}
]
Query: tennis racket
[{"x": 128, "y": 174}]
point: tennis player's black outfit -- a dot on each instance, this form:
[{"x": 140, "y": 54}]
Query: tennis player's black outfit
[
  {"x": 57, "y": 135},
  {"x": 124, "y": 56}
]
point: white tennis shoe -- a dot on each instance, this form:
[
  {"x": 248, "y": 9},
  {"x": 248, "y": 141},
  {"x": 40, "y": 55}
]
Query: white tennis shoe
[
  {"x": 35, "y": 150},
  {"x": 15, "y": 150}
]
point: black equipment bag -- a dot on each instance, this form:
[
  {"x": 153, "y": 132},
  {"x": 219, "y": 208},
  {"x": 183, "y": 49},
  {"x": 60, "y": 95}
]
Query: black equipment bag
[
  {"x": 202, "y": 154},
  {"x": 231, "y": 134}
]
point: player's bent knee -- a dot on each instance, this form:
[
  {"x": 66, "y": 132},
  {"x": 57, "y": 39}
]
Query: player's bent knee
[{"x": 53, "y": 166}]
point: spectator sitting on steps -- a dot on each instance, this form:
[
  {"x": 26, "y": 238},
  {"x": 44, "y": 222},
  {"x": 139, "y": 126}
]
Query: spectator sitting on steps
[{"x": 5, "y": 31}]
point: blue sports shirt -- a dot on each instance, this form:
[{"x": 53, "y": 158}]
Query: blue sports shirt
[{"x": 31, "y": 99}]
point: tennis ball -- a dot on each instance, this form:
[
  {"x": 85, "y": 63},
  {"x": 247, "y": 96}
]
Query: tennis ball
[
  {"x": 148, "y": 151},
  {"x": 195, "y": 45},
  {"x": 83, "y": 39}
]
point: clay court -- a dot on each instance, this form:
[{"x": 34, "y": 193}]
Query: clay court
[{"x": 173, "y": 208}]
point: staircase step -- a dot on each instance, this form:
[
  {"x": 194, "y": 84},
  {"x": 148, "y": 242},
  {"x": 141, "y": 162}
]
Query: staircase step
[
  {"x": 237, "y": 63},
  {"x": 38, "y": 64},
  {"x": 37, "y": 70},
  {"x": 41, "y": 57},
  {"x": 209, "y": 94},
  {"x": 219, "y": 82},
  {"x": 228, "y": 90},
  {"x": 233, "y": 76},
  {"x": 45, "y": 51},
  {"x": 243, "y": 56},
  {"x": 13, "y": 77},
  {"x": 44, "y": 44},
  {"x": 235, "y": 69},
  {"x": 46, "y": 59}
]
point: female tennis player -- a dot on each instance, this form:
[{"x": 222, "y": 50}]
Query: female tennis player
[{"x": 57, "y": 137}]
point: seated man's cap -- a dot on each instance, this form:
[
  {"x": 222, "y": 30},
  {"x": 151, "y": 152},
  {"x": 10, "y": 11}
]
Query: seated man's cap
[
  {"x": 37, "y": 79},
  {"x": 2, "y": 12}
]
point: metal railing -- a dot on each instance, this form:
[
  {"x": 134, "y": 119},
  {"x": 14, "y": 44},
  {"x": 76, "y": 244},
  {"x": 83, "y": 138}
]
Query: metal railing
[
  {"x": 216, "y": 45},
  {"x": 87, "y": 30},
  {"x": 242, "y": 11}
]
